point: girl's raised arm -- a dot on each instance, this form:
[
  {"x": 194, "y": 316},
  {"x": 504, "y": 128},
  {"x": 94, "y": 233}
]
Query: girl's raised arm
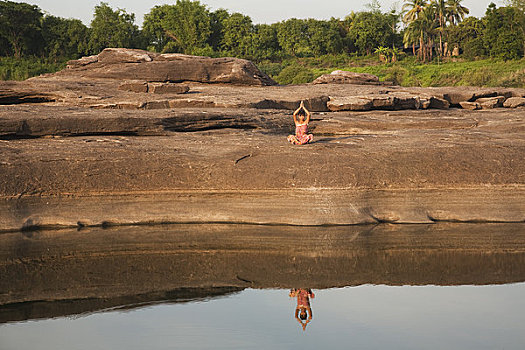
[
  {"x": 295, "y": 115},
  {"x": 308, "y": 114}
]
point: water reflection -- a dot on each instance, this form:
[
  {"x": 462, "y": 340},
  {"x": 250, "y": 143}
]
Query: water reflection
[
  {"x": 54, "y": 273},
  {"x": 303, "y": 310}
]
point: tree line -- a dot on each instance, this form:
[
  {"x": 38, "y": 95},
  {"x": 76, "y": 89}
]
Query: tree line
[{"x": 427, "y": 27}]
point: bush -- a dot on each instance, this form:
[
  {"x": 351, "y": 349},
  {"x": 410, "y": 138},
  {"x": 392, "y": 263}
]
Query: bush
[
  {"x": 396, "y": 74},
  {"x": 295, "y": 74},
  {"x": 24, "y": 68},
  {"x": 272, "y": 69}
]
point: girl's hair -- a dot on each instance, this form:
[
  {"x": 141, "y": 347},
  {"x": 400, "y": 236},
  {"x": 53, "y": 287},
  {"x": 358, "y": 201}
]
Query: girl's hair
[{"x": 301, "y": 112}]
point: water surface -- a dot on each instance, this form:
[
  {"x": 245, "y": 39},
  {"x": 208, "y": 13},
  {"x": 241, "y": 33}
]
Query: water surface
[{"x": 227, "y": 287}]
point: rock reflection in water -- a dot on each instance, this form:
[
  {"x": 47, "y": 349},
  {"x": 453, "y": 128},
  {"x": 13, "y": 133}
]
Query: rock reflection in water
[{"x": 53, "y": 273}]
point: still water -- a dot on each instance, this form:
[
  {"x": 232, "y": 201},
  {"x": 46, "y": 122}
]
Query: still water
[
  {"x": 364, "y": 317},
  {"x": 230, "y": 287}
]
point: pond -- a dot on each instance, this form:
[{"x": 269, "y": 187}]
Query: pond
[{"x": 457, "y": 286}]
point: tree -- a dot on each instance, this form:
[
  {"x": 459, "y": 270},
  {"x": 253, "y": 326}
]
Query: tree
[
  {"x": 441, "y": 10},
  {"x": 237, "y": 35},
  {"x": 184, "y": 27},
  {"x": 504, "y": 32},
  {"x": 292, "y": 35},
  {"x": 412, "y": 9},
  {"x": 519, "y": 4},
  {"x": 112, "y": 29},
  {"x": 422, "y": 30},
  {"x": 64, "y": 38},
  {"x": 370, "y": 30},
  {"x": 20, "y": 26},
  {"x": 468, "y": 36},
  {"x": 217, "y": 20},
  {"x": 456, "y": 11},
  {"x": 323, "y": 37},
  {"x": 265, "y": 42}
]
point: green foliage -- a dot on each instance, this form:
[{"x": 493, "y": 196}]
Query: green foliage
[
  {"x": 237, "y": 35},
  {"x": 111, "y": 28},
  {"x": 20, "y": 27},
  {"x": 64, "y": 38},
  {"x": 504, "y": 33},
  {"x": 324, "y": 37},
  {"x": 23, "y": 68},
  {"x": 468, "y": 36},
  {"x": 295, "y": 74},
  {"x": 217, "y": 19},
  {"x": 184, "y": 27},
  {"x": 265, "y": 44},
  {"x": 291, "y": 35},
  {"x": 369, "y": 30}
]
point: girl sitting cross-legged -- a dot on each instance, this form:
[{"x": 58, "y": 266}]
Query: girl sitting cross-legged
[{"x": 301, "y": 117}]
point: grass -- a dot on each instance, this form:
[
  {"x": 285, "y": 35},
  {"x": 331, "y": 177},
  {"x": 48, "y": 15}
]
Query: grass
[
  {"x": 408, "y": 72},
  {"x": 27, "y": 67}
]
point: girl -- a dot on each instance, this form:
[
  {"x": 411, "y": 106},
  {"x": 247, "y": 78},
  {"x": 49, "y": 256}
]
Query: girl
[
  {"x": 303, "y": 311},
  {"x": 301, "y": 126}
]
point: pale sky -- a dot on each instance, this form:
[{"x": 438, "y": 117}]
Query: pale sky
[{"x": 268, "y": 11}]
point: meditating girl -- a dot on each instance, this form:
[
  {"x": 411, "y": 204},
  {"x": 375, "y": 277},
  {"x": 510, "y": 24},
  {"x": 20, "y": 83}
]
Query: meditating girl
[
  {"x": 303, "y": 311},
  {"x": 301, "y": 117}
]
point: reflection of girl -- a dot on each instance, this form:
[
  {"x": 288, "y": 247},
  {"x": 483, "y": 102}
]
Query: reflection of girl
[
  {"x": 303, "y": 311},
  {"x": 301, "y": 117}
]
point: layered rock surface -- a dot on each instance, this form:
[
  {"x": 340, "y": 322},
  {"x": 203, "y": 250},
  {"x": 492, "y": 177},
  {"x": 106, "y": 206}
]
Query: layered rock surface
[
  {"x": 79, "y": 151},
  {"x": 152, "y": 67}
]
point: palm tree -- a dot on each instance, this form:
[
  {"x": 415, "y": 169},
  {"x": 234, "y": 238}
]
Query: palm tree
[
  {"x": 412, "y": 9},
  {"x": 429, "y": 27},
  {"x": 441, "y": 9},
  {"x": 456, "y": 12}
]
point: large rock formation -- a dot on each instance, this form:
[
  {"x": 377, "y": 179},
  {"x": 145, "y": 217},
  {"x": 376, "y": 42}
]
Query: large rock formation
[
  {"x": 82, "y": 151},
  {"x": 142, "y": 65}
]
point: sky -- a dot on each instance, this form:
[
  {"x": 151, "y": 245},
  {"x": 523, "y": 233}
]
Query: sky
[{"x": 268, "y": 11}]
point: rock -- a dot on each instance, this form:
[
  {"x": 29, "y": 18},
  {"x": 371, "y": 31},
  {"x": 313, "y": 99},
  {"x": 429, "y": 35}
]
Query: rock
[
  {"x": 142, "y": 65},
  {"x": 514, "y": 102},
  {"x": 491, "y": 102},
  {"x": 162, "y": 104},
  {"x": 167, "y": 88},
  {"x": 350, "y": 103},
  {"x": 119, "y": 55},
  {"x": 384, "y": 102},
  {"x": 406, "y": 101},
  {"x": 227, "y": 165},
  {"x": 84, "y": 61},
  {"x": 439, "y": 103},
  {"x": 346, "y": 77},
  {"x": 14, "y": 97},
  {"x": 391, "y": 101},
  {"x": 458, "y": 95},
  {"x": 314, "y": 104},
  {"x": 455, "y": 98},
  {"x": 134, "y": 86},
  {"x": 470, "y": 105},
  {"x": 131, "y": 105}
]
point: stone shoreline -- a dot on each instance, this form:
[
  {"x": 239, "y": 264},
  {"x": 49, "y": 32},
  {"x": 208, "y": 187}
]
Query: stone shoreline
[{"x": 72, "y": 144}]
